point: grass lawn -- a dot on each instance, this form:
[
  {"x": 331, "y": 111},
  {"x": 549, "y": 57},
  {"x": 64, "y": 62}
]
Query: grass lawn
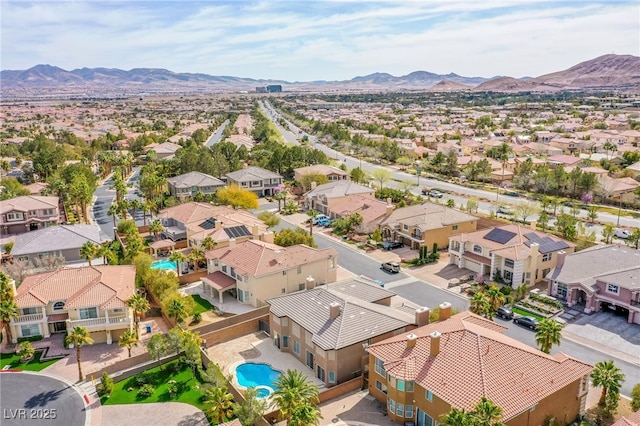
[
  {"x": 527, "y": 313},
  {"x": 33, "y": 365},
  {"x": 200, "y": 305},
  {"x": 188, "y": 391}
]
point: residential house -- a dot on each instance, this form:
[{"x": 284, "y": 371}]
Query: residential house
[
  {"x": 459, "y": 360},
  {"x": 92, "y": 297},
  {"x": 519, "y": 255},
  {"x": 371, "y": 210},
  {"x": 36, "y": 188},
  {"x": 599, "y": 278},
  {"x": 163, "y": 150},
  {"x": 255, "y": 271},
  {"x": 632, "y": 419},
  {"x": 261, "y": 181},
  {"x": 28, "y": 213},
  {"x": 332, "y": 173},
  {"x": 64, "y": 240},
  {"x": 634, "y": 169},
  {"x": 195, "y": 221},
  {"x": 189, "y": 184},
  {"x": 563, "y": 160},
  {"x": 426, "y": 224},
  {"x": 328, "y": 328},
  {"x": 567, "y": 145},
  {"x": 618, "y": 189},
  {"x": 324, "y": 197}
]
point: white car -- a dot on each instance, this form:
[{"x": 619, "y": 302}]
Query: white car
[
  {"x": 505, "y": 210},
  {"x": 622, "y": 233}
]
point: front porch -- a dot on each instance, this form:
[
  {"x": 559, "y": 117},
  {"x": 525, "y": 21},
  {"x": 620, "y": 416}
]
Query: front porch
[{"x": 217, "y": 284}]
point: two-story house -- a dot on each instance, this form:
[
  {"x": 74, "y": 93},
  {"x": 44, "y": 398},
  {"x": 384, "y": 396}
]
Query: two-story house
[
  {"x": 262, "y": 182},
  {"x": 425, "y": 224},
  {"x": 603, "y": 277},
  {"x": 455, "y": 362},
  {"x": 64, "y": 240},
  {"x": 92, "y": 297},
  {"x": 28, "y": 213},
  {"x": 189, "y": 184},
  {"x": 323, "y": 198},
  {"x": 255, "y": 271},
  {"x": 328, "y": 328},
  {"x": 332, "y": 173},
  {"x": 519, "y": 255}
]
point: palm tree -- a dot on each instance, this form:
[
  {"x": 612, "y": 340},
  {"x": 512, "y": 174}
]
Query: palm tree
[
  {"x": 128, "y": 340},
  {"x": 196, "y": 256},
  {"x": 280, "y": 197},
  {"x": 495, "y": 298},
  {"x": 548, "y": 333},
  {"x": 218, "y": 404},
  {"x": 480, "y": 304},
  {"x": 147, "y": 207},
  {"x": 486, "y": 413},
  {"x": 502, "y": 154},
  {"x": 312, "y": 215},
  {"x": 609, "y": 377},
  {"x": 8, "y": 311},
  {"x": 208, "y": 243},
  {"x": 177, "y": 310},
  {"x": 79, "y": 337},
  {"x": 306, "y": 414},
  {"x": 139, "y": 304},
  {"x": 113, "y": 212},
  {"x": 457, "y": 417},
  {"x": 293, "y": 390},
  {"x": 156, "y": 228},
  {"x": 106, "y": 252},
  {"x": 89, "y": 251},
  {"x": 178, "y": 257}
]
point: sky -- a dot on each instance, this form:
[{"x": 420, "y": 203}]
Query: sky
[{"x": 318, "y": 39}]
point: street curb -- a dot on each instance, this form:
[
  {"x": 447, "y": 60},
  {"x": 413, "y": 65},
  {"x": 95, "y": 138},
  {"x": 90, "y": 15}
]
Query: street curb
[{"x": 604, "y": 349}]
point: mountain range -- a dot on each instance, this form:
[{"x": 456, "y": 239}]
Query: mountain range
[{"x": 608, "y": 72}]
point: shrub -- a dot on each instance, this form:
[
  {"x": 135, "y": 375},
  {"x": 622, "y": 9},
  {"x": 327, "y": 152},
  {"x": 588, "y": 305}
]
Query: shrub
[
  {"x": 197, "y": 317},
  {"x": 106, "y": 384},
  {"x": 146, "y": 390},
  {"x": 172, "y": 387},
  {"x": 30, "y": 338},
  {"x": 141, "y": 380},
  {"x": 635, "y": 398},
  {"x": 26, "y": 350}
]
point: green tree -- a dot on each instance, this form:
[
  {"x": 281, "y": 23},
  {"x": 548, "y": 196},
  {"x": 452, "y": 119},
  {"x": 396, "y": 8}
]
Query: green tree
[
  {"x": 486, "y": 413},
  {"x": 592, "y": 213},
  {"x": 635, "y": 397},
  {"x": 8, "y": 306},
  {"x": 218, "y": 404},
  {"x": 79, "y": 337},
  {"x": 269, "y": 218},
  {"x": 128, "y": 340},
  {"x": 251, "y": 409},
  {"x": 179, "y": 258},
  {"x": 634, "y": 239},
  {"x": 495, "y": 298},
  {"x": 306, "y": 414},
  {"x": 480, "y": 304},
  {"x": 208, "y": 243},
  {"x": 457, "y": 417},
  {"x": 548, "y": 333},
  {"x": 358, "y": 175},
  {"x": 176, "y": 309},
  {"x": 157, "y": 347},
  {"x": 190, "y": 343},
  {"x": 607, "y": 233},
  {"x": 308, "y": 178},
  {"x": 289, "y": 237},
  {"x": 237, "y": 197},
  {"x": 381, "y": 176},
  {"x": 606, "y": 375},
  {"x": 25, "y": 351},
  {"x": 543, "y": 220},
  {"x": 156, "y": 227},
  {"x": 139, "y": 305},
  {"x": 196, "y": 256},
  {"x": 525, "y": 210},
  {"x": 293, "y": 390},
  {"x": 312, "y": 216},
  {"x": 281, "y": 196},
  {"x": 89, "y": 251}
]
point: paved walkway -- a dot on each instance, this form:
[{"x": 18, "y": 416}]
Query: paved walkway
[{"x": 157, "y": 413}]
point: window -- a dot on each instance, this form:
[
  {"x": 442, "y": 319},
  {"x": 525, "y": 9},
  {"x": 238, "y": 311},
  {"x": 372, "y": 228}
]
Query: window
[
  {"x": 405, "y": 227},
  {"x": 332, "y": 376},
  {"x": 224, "y": 268},
  {"x": 240, "y": 296},
  {"x": 428, "y": 395},
  {"x": 14, "y": 216},
  {"x": 247, "y": 296},
  {"x": 547, "y": 257},
  {"x": 301, "y": 287},
  {"x": 284, "y": 321},
  {"x": 299, "y": 269},
  {"x": 408, "y": 411},
  {"x": 118, "y": 311},
  {"x": 508, "y": 263},
  {"x": 86, "y": 313},
  {"x": 400, "y": 385},
  {"x": 409, "y": 384},
  {"x": 30, "y": 330},
  {"x": 33, "y": 213},
  {"x": 296, "y": 347},
  {"x": 400, "y": 410},
  {"x": 28, "y": 311},
  {"x": 295, "y": 329},
  {"x": 285, "y": 341},
  {"x": 391, "y": 381},
  {"x": 382, "y": 388},
  {"x": 477, "y": 249},
  {"x": 283, "y": 290},
  {"x": 612, "y": 288},
  {"x": 284, "y": 272},
  {"x": 233, "y": 272},
  {"x": 215, "y": 262},
  {"x": 392, "y": 406},
  {"x": 454, "y": 228},
  {"x": 380, "y": 367},
  {"x": 58, "y": 306}
]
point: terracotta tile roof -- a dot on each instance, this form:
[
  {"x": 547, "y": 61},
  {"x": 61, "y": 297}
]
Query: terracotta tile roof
[
  {"x": 427, "y": 216},
  {"x": 29, "y": 202},
  {"x": 630, "y": 420},
  {"x": 258, "y": 258},
  {"x": 369, "y": 209},
  {"x": 219, "y": 280},
  {"x": 475, "y": 360},
  {"x": 339, "y": 188},
  {"x": 105, "y": 286}
]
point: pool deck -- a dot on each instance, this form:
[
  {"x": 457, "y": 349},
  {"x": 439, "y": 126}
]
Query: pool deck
[{"x": 256, "y": 347}]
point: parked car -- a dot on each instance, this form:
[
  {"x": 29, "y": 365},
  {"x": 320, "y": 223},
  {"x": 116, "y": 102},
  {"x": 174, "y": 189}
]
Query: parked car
[
  {"x": 391, "y": 267},
  {"x": 622, "y": 233},
  {"x": 319, "y": 218},
  {"x": 529, "y": 322},
  {"x": 512, "y": 193},
  {"x": 505, "y": 210},
  {"x": 504, "y": 312},
  {"x": 390, "y": 245},
  {"x": 435, "y": 194},
  {"x": 324, "y": 222}
]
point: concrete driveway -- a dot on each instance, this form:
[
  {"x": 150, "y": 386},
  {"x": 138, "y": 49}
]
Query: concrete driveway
[{"x": 165, "y": 413}]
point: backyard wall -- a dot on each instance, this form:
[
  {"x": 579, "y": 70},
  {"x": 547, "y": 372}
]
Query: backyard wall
[
  {"x": 259, "y": 313},
  {"x": 129, "y": 367}
]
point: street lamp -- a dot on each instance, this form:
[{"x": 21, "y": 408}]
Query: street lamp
[
  {"x": 418, "y": 170},
  {"x": 619, "y": 211}
]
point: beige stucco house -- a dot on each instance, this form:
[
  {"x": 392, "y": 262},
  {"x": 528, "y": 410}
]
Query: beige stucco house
[
  {"x": 28, "y": 213},
  {"x": 323, "y": 198}
]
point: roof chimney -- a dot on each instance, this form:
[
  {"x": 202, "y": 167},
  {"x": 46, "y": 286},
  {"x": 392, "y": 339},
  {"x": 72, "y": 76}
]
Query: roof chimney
[
  {"x": 422, "y": 316},
  {"x": 534, "y": 249},
  {"x": 255, "y": 230},
  {"x": 411, "y": 340},
  {"x": 561, "y": 256},
  {"x": 334, "y": 310},
  {"x": 311, "y": 283},
  {"x": 389, "y": 201},
  {"x": 314, "y": 185},
  {"x": 533, "y": 224},
  {"x": 218, "y": 224},
  {"x": 434, "y": 347},
  {"x": 445, "y": 310},
  {"x": 232, "y": 243},
  {"x": 389, "y": 209},
  {"x": 267, "y": 237}
]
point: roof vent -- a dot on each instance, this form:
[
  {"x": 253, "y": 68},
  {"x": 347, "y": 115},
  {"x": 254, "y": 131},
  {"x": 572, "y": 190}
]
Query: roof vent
[{"x": 334, "y": 310}]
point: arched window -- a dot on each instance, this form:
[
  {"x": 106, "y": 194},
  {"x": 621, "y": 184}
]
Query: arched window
[{"x": 58, "y": 306}]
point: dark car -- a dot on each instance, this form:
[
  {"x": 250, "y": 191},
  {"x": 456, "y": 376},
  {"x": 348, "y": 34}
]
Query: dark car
[
  {"x": 390, "y": 245},
  {"x": 529, "y": 322},
  {"x": 504, "y": 312}
]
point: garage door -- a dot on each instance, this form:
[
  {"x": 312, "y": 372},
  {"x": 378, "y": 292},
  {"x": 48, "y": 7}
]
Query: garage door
[{"x": 472, "y": 265}]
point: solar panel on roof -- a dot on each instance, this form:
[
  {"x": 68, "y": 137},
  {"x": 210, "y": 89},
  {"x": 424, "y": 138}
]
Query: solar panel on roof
[
  {"x": 237, "y": 231},
  {"x": 209, "y": 223},
  {"x": 501, "y": 236},
  {"x": 547, "y": 244}
]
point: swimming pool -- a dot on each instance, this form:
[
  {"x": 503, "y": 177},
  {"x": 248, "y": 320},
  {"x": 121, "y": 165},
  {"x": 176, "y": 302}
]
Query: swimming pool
[
  {"x": 257, "y": 375},
  {"x": 164, "y": 264}
]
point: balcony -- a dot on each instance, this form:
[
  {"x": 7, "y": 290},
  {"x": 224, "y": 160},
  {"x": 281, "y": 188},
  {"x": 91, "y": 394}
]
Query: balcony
[
  {"x": 94, "y": 322},
  {"x": 28, "y": 318}
]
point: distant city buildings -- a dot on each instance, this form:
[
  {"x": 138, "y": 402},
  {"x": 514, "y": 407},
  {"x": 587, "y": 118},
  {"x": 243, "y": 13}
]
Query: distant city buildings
[{"x": 272, "y": 88}]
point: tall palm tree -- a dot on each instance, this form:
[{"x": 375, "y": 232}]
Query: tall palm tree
[
  {"x": 502, "y": 154},
  {"x": 139, "y": 304},
  {"x": 480, "y": 304},
  {"x": 208, "y": 243},
  {"x": 548, "y": 333},
  {"x": 457, "y": 417},
  {"x": 8, "y": 311},
  {"x": 106, "y": 252},
  {"x": 486, "y": 413},
  {"x": 609, "y": 377},
  {"x": 128, "y": 340},
  {"x": 79, "y": 337},
  {"x": 495, "y": 298},
  {"x": 196, "y": 256},
  {"x": 89, "y": 251},
  {"x": 156, "y": 228},
  {"x": 178, "y": 257},
  {"x": 113, "y": 212},
  {"x": 218, "y": 404},
  {"x": 293, "y": 390},
  {"x": 177, "y": 310},
  {"x": 312, "y": 215}
]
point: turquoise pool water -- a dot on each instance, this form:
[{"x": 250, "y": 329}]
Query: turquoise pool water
[
  {"x": 260, "y": 376},
  {"x": 164, "y": 264}
]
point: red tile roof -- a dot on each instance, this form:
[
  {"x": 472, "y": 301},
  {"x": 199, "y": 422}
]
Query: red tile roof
[{"x": 476, "y": 360}]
